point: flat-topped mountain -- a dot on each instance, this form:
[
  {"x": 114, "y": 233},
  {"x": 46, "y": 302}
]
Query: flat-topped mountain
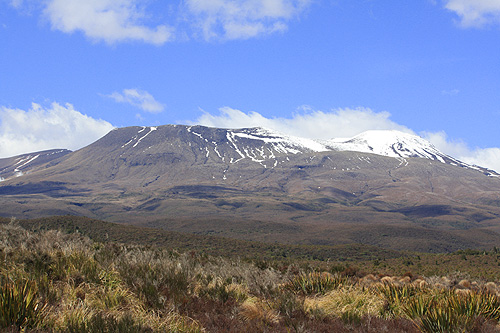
[{"x": 380, "y": 187}]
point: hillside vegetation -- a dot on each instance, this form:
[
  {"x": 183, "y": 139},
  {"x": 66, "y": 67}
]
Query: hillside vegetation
[
  {"x": 57, "y": 281},
  {"x": 478, "y": 264}
]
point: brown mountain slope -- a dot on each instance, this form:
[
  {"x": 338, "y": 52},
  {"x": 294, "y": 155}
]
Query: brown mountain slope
[{"x": 250, "y": 185}]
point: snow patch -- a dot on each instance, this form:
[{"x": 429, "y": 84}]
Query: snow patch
[{"x": 151, "y": 129}]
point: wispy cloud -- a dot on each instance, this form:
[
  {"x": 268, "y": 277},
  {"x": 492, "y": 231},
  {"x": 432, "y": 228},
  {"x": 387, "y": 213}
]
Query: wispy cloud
[
  {"x": 346, "y": 123},
  {"x": 40, "y": 128},
  {"x": 451, "y": 92},
  {"x": 230, "y": 19},
  {"x": 475, "y": 13},
  {"x": 138, "y": 98}
]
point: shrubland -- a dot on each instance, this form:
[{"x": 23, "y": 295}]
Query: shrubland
[{"x": 54, "y": 281}]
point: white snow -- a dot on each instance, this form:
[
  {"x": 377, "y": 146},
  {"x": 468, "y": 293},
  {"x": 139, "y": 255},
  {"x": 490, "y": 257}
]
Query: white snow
[
  {"x": 26, "y": 160},
  {"x": 151, "y": 129},
  {"x": 230, "y": 138}
]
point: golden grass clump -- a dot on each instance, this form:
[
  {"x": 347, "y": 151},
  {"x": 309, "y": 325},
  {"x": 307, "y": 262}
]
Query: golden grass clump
[
  {"x": 315, "y": 283},
  {"x": 255, "y": 309},
  {"x": 348, "y": 303}
]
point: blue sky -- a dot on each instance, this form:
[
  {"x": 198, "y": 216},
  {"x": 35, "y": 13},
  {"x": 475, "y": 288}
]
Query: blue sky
[{"x": 70, "y": 70}]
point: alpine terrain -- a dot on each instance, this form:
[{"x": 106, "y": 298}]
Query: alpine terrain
[{"x": 384, "y": 188}]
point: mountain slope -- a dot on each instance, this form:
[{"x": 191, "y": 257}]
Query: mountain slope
[
  {"x": 19, "y": 165},
  {"x": 261, "y": 185}
]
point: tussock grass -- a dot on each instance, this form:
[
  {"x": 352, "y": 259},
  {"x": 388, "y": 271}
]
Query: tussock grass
[
  {"x": 19, "y": 305},
  {"x": 53, "y": 281},
  {"x": 448, "y": 311},
  {"x": 350, "y": 304},
  {"x": 255, "y": 309},
  {"x": 315, "y": 283}
]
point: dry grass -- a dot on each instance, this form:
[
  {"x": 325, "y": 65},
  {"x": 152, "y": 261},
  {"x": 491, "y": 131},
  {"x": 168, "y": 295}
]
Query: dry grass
[{"x": 349, "y": 303}]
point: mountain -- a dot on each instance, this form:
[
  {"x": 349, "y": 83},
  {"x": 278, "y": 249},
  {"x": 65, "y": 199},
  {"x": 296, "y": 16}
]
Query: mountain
[{"x": 382, "y": 188}]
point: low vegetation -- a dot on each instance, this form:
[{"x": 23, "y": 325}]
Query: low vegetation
[{"x": 56, "y": 281}]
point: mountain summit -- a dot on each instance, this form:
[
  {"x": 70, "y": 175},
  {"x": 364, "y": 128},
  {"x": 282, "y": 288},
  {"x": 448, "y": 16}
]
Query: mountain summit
[{"x": 390, "y": 143}]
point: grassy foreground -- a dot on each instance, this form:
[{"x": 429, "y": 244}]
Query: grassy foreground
[{"x": 53, "y": 281}]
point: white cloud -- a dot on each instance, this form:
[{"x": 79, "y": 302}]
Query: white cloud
[
  {"x": 114, "y": 21},
  {"x": 346, "y": 123},
  {"x": 485, "y": 157},
  {"x": 311, "y": 123},
  {"x": 242, "y": 19},
  {"x": 103, "y": 20},
  {"x": 138, "y": 98},
  {"x": 42, "y": 128},
  {"x": 475, "y": 13}
]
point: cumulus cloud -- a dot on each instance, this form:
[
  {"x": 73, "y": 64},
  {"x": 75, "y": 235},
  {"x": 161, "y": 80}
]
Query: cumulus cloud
[
  {"x": 308, "y": 123},
  {"x": 39, "y": 128},
  {"x": 487, "y": 157},
  {"x": 242, "y": 19},
  {"x": 138, "y": 98},
  {"x": 475, "y": 13},
  {"x": 110, "y": 21},
  {"x": 346, "y": 123}
]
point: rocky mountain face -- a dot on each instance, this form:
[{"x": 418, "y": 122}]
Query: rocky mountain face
[{"x": 383, "y": 188}]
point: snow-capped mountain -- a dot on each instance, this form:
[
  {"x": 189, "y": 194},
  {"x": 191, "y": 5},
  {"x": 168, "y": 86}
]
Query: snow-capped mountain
[
  {"x": 259, "y": 183},
  {"x": 389, "y": 143},
  {"x": 396, "y": 144},
  {"x": 267, "y": 148},
  {"x": 260, "y": 144}
]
